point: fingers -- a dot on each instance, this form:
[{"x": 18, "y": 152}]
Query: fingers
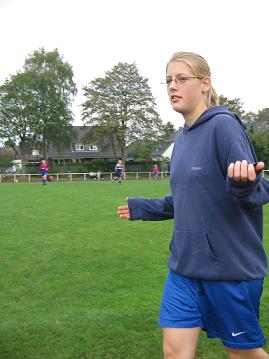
[
  {"x": 242, "y": 171},
  {"x": 123, "y": 212},
  {"x": 123, "y": 208},
  {"x": 230, "y": 171},
  {"x": 251, "y": 173},
  {"x": 259, "y": 167},
  {"x": 127, "y": 215}
]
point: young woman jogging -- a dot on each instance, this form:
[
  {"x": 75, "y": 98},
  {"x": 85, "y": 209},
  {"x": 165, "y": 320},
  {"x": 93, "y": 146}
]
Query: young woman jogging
[{"x": 217, "y": 261}]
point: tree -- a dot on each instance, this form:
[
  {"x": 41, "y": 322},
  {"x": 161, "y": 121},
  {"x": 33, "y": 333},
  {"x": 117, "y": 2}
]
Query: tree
[
  {"x": 35, "y": 104},
  {"x": 263, "y": 115},
  {"x": 168, "y": 129},
  {"x": 121, "y": 107},
  {"x": 54, "y": 92},
  {"x": 262, "y": 121},
  {"x": 234, "y": 105},
  {"x": 141, "y": 150},
  {"x": 16, "y": 121},
  {"x": 6, "y": 158},
  {"x": 260, "y": 141},
  {"x": 250, "y": 119}
]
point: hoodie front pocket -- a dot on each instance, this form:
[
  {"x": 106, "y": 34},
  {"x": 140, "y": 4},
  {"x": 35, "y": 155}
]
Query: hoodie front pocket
[{"x": 193, "y": 254}]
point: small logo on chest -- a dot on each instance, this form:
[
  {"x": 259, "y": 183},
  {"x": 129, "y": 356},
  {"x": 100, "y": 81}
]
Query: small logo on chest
[{"x": 196, "y": 168}]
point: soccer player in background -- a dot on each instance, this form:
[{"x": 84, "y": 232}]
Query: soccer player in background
[
  {"x": 155, "y": 172},
  {"x": 118, "y": 171},
  {"x": 217, "y": 261},
  {"x": 44, "y": 170}
]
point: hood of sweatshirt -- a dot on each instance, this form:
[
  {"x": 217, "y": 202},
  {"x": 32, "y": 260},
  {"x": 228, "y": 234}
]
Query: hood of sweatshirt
[{"x": 209, "y": 114}]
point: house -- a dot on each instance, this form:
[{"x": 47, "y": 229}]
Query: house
[
  {"x": 164, "y": 152},
  {"x": 79, "y": 151}
]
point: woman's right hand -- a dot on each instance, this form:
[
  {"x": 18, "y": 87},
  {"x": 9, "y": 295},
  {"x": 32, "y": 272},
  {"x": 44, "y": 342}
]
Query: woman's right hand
[{"x": 123, "y": 211}]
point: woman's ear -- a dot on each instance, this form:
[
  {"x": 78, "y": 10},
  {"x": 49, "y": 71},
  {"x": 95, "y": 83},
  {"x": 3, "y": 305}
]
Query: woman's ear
[{"x": 206, "y": 84}]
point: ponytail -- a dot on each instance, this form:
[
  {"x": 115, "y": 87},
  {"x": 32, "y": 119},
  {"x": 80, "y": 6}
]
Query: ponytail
[{"x": 212, "y": 98}]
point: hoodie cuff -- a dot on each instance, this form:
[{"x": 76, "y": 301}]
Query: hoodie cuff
[
  {"x": 241, "y": 189},
  {"x": 134, "y": 205}
]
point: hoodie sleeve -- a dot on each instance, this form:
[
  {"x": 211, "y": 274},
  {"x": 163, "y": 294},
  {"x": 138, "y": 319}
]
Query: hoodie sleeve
[
  {"x": 154, "y": 209},
  {"x": 250, "y": 194},
  {"x": 234, "y": 145}
]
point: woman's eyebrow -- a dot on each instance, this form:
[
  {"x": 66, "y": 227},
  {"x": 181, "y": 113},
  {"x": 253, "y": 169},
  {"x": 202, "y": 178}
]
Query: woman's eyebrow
[{"x": 180, "y": 74}]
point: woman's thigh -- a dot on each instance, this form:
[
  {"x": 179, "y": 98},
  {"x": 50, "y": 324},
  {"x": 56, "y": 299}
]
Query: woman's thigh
[{"x": 180, "y": 342}]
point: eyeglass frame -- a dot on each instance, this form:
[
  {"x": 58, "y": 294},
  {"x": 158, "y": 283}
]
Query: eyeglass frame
[{"x": 180, "y": 80}]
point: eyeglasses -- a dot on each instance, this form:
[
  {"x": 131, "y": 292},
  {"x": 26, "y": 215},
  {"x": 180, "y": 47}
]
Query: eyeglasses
[{"x": 179, "y": 80}]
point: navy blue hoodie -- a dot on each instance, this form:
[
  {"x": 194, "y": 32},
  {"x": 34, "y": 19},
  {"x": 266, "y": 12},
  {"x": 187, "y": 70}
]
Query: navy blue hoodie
[{"x": 218, "y": 222}]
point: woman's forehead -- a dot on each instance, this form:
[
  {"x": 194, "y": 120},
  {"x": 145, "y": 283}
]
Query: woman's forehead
[{"x": 177, "y": 67}]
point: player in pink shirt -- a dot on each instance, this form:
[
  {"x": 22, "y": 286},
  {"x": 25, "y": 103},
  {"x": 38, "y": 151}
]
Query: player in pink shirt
[{"x": 44, "y": 170}]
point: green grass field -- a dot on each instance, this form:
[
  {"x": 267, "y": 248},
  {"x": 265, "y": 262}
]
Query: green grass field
[{"x": 77, "y": 282}]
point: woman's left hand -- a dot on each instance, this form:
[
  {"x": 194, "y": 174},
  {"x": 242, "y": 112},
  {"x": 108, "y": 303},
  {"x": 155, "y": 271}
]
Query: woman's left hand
[{"x": 242, "y": 171}]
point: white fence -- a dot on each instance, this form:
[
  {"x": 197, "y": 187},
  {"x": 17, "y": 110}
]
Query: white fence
[{"x": 90, "y": 176}]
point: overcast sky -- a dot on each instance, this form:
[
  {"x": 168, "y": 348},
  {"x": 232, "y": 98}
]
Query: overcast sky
[{"x": 95, "y": 35}]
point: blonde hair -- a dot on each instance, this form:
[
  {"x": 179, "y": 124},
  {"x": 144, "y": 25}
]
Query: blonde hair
[{"x": 200, "y": 68}]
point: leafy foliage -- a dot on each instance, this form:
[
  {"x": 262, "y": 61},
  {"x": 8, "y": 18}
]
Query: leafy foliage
[
  {"x": 6, "y": 158},
  {"x": 35, "y": 104},
  {"x": 234, "y": 105},
  {"x": 121, "y": 106},
  {"x": 17, "y": 123},
  {"x": 260, "y": 142}
]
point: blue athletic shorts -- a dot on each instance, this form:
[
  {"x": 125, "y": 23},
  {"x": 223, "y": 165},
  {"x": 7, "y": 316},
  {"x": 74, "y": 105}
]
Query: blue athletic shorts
[
  {"x": 228, "y": 310},
  {"x": 118, "y": 174},
  {"x": 44, "y": 172}
]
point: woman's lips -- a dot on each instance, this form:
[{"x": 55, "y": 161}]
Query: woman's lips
[{"x": 175, "y": 98}]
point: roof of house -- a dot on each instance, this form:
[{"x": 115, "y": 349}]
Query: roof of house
[
  {"x": 159, "y": 151},
  {"x": 71, "y": 152}
]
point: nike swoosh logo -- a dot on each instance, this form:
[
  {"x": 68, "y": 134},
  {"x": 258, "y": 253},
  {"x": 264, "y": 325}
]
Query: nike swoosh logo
[{"x": 235, "y": 334}]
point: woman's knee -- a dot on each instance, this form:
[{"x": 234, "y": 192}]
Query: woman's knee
[
  {"x": 170, "y": 352},
  {"x": 180, "y": 343}
]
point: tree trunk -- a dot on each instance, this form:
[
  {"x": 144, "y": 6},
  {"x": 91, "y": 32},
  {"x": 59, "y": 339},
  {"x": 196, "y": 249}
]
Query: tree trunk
[
  {"x": 113, "y": 146},
  {"x": 23, "y": 163},
  {"x": 17, "y": 153},
  {"x": 46, "y": 149}
]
